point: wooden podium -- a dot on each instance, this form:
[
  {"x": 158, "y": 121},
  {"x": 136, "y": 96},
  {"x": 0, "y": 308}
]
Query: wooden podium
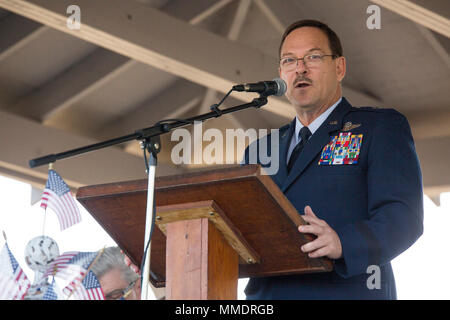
[{"x": 212, "y": 228}]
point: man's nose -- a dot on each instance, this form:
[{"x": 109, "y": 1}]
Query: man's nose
[{"x": 301, "y": 67}]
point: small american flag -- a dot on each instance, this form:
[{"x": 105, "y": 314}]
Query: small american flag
[
  {"x": 74, "y": 267},
  {"x": 88, "y": 289},
  {"x": 57, "y": 196},
  {"x": 62, "y": 266},
  {"x": 14, "y": 284},
  {"x": 53, "y": 292}
]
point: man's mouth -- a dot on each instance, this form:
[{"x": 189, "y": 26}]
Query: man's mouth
[{"x": 302, "y": 84}]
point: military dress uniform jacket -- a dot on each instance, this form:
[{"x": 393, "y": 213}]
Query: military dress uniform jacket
[{"x": 372, "y": 198}]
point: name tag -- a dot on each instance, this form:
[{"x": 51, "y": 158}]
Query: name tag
[{"x": 342, "y": 149}]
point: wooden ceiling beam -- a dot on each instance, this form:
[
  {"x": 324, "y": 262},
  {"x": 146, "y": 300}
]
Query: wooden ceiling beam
[
  {"x": 197, "y": 11},
  {"x": 417, "y": 14},
  {"x": 271, "y": 16}
]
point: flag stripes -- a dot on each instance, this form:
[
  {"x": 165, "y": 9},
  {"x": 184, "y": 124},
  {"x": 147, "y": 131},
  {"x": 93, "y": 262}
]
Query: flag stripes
[
  {"x": 62, "y": 267},
  {"x": 74, "y": 267},
  {"x": 57, "y": 197},
  {"x": 14, "y": 284}
]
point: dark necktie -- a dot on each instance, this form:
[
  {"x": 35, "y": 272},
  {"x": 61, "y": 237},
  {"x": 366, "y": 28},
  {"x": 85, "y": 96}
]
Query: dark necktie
[{"x": 304, "y": 134}]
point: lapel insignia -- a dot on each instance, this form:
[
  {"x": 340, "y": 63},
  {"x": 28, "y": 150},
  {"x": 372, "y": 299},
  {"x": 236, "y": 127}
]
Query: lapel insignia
[
  {"x": 342, "y": 149},
  {"x": 333, "y": 123},
  {"x": 349, "y": 126}
]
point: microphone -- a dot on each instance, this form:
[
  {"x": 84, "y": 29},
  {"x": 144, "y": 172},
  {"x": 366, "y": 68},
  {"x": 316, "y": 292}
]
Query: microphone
[{"x": 275, "y": 87}]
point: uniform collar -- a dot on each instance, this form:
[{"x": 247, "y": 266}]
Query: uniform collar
[{"x": 313, "y": 126}]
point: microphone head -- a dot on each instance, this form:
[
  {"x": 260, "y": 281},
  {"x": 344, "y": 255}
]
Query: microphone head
[{"x": 281, "y": 86}]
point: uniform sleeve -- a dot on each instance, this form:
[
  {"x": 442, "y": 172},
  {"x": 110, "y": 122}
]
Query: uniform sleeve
[{"x": 395, "y": 201}]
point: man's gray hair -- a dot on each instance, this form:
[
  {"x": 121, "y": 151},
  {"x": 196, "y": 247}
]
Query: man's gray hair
[{"x": 113, "y": 258}]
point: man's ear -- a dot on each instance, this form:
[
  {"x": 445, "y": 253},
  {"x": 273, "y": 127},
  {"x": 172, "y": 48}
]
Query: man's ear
[{"x": 340, "y": 68}]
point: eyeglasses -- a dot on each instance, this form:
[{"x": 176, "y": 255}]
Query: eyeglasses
[
  {"x": 120, "y": 294},
  {"x": 310, "y": 60}
]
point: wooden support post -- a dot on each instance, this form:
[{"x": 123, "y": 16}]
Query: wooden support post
[{"x": 200, "y": 264}]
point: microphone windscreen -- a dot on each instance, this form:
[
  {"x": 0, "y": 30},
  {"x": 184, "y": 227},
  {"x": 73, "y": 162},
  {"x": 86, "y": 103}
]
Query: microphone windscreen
[{"x": 281, "y": 87}]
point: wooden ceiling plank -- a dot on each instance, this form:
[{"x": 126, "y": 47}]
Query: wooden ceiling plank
[
  {"x": 134, "y": 31},
  {"x": 24, "y": 31},
  {"x": 168, "y": 104},
  {"x": 211, "y": 10},
  {"x": 24, "y": 140},
  {"x": 435, "y": 44},
  {"x": 16, "y": 41},
  {"x": 271, "y": 16},
  {"x": 70, "y": 86}
]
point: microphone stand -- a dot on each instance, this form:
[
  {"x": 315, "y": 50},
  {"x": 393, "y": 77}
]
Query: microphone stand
[{"x": 150, "y": 141}]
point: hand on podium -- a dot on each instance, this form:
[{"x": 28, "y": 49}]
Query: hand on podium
[{"x": 327, "y": 243}]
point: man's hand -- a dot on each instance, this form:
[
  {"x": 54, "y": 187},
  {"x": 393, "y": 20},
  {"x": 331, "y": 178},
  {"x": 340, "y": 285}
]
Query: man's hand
[{"x": 327, "y": 242}]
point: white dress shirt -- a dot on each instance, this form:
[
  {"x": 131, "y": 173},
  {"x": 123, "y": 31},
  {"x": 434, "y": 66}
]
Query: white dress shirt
[{"x": 313, "y": 126}]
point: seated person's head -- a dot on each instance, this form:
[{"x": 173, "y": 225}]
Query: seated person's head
[{"x": 116, "y": 278}]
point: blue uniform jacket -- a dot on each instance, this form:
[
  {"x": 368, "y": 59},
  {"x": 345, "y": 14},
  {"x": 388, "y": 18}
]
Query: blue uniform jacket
[{"x": 375, "y": 205}]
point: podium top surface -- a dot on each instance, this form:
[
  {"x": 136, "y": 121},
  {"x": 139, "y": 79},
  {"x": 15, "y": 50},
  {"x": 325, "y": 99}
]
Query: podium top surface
[{"x": 251, "y": 201}]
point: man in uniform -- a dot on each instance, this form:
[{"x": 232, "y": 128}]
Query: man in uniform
[{"x": 352, "y": 173}]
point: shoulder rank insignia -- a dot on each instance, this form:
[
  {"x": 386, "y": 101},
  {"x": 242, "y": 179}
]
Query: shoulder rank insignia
[
  {"x": 342, "y": 149},
  {"x": 350, "y": 126}
]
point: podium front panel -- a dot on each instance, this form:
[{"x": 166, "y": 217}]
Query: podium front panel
[{"x": 251, "y": 201}]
